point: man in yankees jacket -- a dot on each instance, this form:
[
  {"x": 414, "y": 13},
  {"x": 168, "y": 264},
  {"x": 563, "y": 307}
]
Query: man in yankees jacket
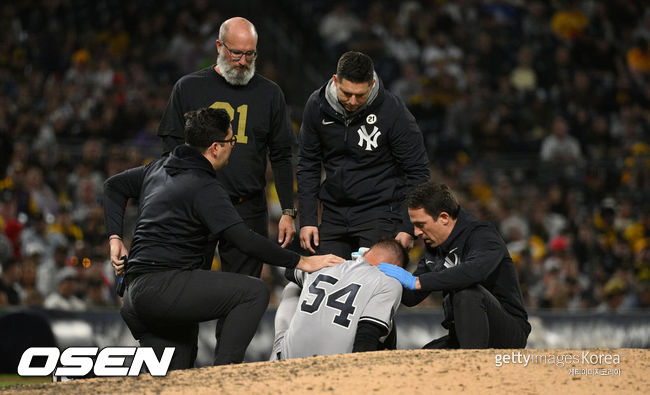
[
  {"x": 468, "y": 261},
  {"x": 373, "y": 155}
]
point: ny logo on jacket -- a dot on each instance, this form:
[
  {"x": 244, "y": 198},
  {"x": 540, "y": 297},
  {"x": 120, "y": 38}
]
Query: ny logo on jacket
[
  {"x": 442, "y": 261},
  {"x": 451, "y": 253},
  {"x": 369, "y": 139}
]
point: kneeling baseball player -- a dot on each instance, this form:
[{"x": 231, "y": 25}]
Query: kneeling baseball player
[{"x": 340, "y": 309}]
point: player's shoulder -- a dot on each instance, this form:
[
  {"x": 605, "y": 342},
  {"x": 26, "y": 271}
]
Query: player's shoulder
[
  {"x": 392, "y": 284},
  {"x": 343, "y": 268},
  {"x": 372, "y": 274},
  {"x": 387, "y": 282},
  {"x": 347, "y": 269}
]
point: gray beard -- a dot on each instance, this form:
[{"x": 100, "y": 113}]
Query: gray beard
[{"x": 231, "y": 74}]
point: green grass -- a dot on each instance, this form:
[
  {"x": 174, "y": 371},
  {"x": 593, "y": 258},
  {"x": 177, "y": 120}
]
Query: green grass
[{"x": 7, "y": 380}]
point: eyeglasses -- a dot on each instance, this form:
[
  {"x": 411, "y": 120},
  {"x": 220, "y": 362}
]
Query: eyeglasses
[
  {"x": 236, "y": 54},
  {"x": 231, "y": 141}
]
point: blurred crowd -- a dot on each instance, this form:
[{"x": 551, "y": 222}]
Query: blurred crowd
[{"x": 536, "y": 113}]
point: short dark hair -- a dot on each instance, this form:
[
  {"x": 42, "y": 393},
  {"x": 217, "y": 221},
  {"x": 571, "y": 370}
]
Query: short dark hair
[
  {"x": 205, "y": 126},
  {"x": 394, "y": 247},
  {"x": 434, "y": 198},
  {"x": 355, "y": 67}
]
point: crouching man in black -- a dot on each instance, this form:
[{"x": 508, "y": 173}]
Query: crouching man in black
[
  {"x": 468, "y": 261},
  {"x": 183, "y": 212}
]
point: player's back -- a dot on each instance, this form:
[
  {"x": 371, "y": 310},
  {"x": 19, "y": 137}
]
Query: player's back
[{"x": 332, "y": 302}]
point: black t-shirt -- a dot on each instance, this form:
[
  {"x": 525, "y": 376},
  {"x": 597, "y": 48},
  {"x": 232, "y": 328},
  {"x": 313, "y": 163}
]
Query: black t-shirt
[{"x": 259, "y": 120}]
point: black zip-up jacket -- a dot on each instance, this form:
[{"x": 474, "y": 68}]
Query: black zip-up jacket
[
  {"x": 474, "y": 253},
  {"x": 372, "y": 159},
  {"x": 183, "y": 212}
]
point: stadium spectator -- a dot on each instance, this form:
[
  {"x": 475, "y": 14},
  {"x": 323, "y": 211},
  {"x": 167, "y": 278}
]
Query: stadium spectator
[
  {"x": 614, "y": 293},
  {"x": 401, "y": 46},
  {"x": 65, "y": 297},
  {"x": 338, "y": 26},
  {"x": 46, "y": 281},
  {"x": 409, "y": 83},
  {"x": 40, "y": 194},
  {"x": 9, "y": 280},
  {"x": 569, "y": 23},
  {"x": 638, "y": 57},
  {"x": 87, "y": 198},
  {"x": 523, "y": 76},
  {"x": 27, "y": 286},
  {"x": 40, "y": 237},
  {"x": 97, "y": 294},
  {"x": 560, "y": 148},
  {"x": 439, "y": 56}
]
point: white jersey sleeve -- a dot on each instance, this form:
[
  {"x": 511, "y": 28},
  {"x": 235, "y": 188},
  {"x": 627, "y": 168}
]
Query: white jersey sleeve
[{"x": 384, "y": 303}]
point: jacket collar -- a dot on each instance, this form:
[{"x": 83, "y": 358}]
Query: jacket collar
[
  {"x": 184, "y": 158},
  {"x": 462, "y": 222}
]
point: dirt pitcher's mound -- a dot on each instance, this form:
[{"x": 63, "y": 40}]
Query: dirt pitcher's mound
[{"x": 412, "y": 372}]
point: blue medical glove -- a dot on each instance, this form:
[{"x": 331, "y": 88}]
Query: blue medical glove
[{"x": 401, "y": 275}]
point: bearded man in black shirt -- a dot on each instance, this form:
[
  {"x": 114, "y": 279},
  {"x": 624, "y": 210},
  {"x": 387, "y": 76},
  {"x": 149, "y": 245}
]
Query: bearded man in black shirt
[{"x": 261, "y": 123}]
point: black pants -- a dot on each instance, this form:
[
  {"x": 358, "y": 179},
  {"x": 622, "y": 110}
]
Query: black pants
[
  {"x": 343, "y": 240},
  {"x": 480, "y": 321},
  {"x": 253, "y": 212},
  {"x": 164, "y": 309}
]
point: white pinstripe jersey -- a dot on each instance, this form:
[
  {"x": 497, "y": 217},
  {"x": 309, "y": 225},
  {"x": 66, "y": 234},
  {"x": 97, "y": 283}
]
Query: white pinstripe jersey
[{"x": 332, "y": 302}]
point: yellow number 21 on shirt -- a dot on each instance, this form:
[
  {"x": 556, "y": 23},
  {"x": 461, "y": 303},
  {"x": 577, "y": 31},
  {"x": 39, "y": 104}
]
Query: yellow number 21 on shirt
[{"x": 241, "y": 125}]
